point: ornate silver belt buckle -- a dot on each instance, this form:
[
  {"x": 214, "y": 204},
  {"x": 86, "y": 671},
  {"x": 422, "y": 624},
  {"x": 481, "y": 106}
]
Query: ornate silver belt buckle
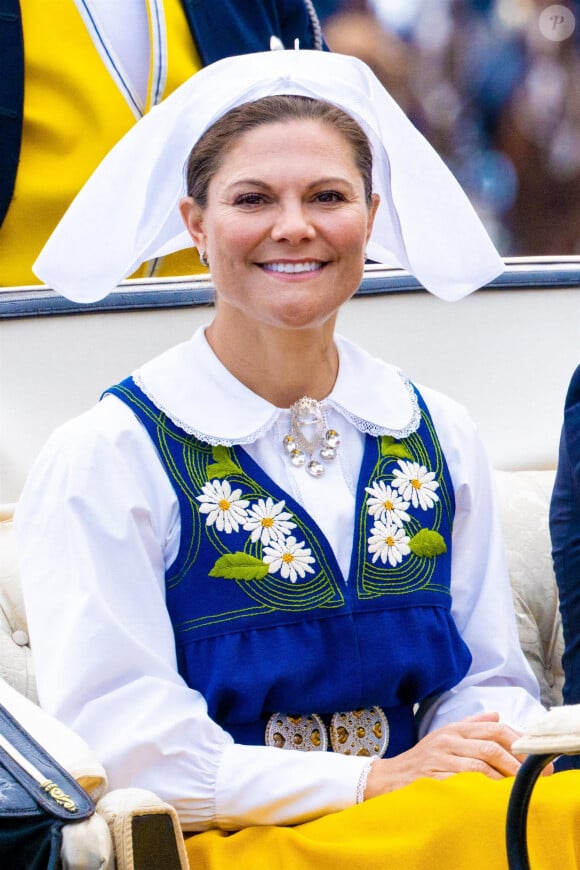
[
  {"x": 360, "y": 732},
  {"x": 304, "y": 733}
]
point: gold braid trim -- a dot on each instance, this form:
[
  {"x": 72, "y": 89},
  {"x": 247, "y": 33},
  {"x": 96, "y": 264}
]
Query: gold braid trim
[{"x": 59, "y": 795}]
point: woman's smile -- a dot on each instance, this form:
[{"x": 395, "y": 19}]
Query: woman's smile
[{"x": 293, "y": 267}]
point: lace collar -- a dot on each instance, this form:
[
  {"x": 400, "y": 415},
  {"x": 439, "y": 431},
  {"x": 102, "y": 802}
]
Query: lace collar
[{"x": 194, "y": 389}]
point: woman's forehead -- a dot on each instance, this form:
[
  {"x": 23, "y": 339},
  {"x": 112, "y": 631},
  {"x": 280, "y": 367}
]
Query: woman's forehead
[
  {"x": 288, "y": 129},
  {"x": 296, "y": 146},
  {"x": 310, "y": 135}
]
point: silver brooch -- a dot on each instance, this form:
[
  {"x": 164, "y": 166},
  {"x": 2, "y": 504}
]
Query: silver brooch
[{"x": 309, "y": 440}]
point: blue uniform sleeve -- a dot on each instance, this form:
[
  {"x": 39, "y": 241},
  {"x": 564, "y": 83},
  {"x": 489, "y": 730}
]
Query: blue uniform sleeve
[
  {"x": 245, "y": 26},
  {"x": 11, "y": 98},
  {"x": 565, "y": 533}
]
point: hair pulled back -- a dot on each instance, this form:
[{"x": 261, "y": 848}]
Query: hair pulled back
[{"x": 207, "y": 154}]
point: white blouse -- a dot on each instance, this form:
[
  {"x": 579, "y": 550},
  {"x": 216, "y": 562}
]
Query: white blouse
[{"x": 98, "y": 524}]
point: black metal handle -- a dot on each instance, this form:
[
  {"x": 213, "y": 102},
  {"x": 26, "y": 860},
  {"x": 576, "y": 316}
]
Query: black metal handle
[{"x": 517, "y": 814}]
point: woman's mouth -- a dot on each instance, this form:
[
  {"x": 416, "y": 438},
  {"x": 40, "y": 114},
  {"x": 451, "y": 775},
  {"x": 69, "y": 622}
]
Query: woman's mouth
[{"x": 293, "y": 268}]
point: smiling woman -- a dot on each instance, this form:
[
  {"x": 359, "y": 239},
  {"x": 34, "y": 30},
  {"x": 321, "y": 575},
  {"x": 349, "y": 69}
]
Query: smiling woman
[{"x": 266, "y": 540}]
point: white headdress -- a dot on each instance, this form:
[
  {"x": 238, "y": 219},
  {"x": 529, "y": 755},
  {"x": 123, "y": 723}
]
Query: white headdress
[{"x": 127, "y": 211}]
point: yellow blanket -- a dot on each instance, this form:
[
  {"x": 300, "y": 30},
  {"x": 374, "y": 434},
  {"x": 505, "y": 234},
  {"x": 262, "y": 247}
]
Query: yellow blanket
[{"x": 429, "y": 825}]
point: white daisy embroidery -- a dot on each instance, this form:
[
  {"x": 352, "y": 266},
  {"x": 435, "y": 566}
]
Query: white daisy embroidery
[
  {"x": 289, "y": 557},
  {"x": 268, "y": 521},
  {"x": 416, "y": 484},
  {"x": 386, "y": 504},
  {"x": 223, "y": 506},
  {"x": 388, "y": 542}
]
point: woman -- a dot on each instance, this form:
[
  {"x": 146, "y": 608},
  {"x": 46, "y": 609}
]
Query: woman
[{"x": 265, "y": 539}]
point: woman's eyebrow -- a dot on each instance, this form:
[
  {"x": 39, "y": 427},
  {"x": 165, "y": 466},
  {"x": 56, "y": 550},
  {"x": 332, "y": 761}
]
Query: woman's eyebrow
[
  {"x": 255, "y": 182},
  {"x": 318, "y": 182}
]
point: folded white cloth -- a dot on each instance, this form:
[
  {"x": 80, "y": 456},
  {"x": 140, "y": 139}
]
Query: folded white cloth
[
  {"x": 87, "y": 845},
  {"x": 127, "y": 211}
]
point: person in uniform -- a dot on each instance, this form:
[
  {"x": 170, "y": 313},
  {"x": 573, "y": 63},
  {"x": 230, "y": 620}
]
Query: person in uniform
[{"x": 75, "y": 75}]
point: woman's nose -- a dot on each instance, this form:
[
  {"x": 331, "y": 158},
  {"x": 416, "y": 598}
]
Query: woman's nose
[{"x": 292, "y": 224}]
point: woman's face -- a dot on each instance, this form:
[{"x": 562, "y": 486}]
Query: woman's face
[{"x": 285, "y": 226}]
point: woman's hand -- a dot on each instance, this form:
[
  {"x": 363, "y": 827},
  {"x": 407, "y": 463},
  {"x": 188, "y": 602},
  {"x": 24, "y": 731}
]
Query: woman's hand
[{"x": 478, "y": 744}]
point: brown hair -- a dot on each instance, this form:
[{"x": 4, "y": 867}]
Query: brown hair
[{"x": 207, "y": 154}]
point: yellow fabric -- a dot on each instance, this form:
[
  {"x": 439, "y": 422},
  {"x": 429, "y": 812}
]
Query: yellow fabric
[
  {"x": 455, "y": 824},
  {"x": 73, "y": 115}
]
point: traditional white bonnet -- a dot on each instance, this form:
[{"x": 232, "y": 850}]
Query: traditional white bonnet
[{"x": 127, "y": 211}]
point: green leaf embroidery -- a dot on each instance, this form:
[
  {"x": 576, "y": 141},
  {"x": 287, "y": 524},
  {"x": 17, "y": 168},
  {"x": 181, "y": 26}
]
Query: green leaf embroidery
[
  {"x": 239, "y": 566},
  {"x": 390, "y": 447},
  {"x": 223, "y": 465},
  {"x": 428, "y": 543}
]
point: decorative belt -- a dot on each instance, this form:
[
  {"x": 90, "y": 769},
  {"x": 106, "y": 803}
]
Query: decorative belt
[{"x": 357, "y": 732}]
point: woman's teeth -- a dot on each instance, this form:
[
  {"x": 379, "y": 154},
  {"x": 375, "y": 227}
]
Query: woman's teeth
[{"x": 293, "y": 267}]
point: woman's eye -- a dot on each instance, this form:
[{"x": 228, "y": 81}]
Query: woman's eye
[
  {"x": 330, "y": 196},
  {"x": 250, "y": 199}
]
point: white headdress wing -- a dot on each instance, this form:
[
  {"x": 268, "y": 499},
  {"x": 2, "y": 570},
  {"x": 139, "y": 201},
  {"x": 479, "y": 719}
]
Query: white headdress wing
[{"x": 127, "y": 211}]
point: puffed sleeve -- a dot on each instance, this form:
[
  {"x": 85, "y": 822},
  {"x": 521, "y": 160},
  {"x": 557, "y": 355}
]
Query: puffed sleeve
[
  {"x": 97, "y": 525},
  {"x": 499, "y": 678},
  {"x": 565, "y": 533}
]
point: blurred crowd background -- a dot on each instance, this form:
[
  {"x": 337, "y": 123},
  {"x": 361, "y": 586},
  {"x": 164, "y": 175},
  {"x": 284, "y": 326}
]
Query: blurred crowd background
[{"x": 494, "y": 85}]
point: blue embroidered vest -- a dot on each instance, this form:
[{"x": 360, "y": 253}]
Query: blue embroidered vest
[{"x": 263, "y": 618}]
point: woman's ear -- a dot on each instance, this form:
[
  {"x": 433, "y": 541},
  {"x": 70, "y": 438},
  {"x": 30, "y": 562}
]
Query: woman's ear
[
  {"x": 374, "y": 204},
  {"x": 192, "y": 216}
]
